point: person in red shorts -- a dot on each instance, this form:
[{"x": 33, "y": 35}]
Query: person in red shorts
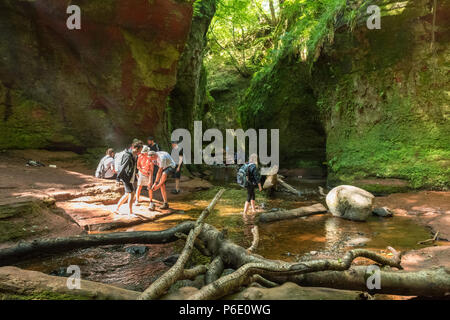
[{"x": 143, "y": 166}]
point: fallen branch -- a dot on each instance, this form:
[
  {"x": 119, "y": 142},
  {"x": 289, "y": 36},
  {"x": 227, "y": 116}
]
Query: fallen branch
[
  {"x": 163, "y": 283},
  {"x": 291, "y": 214},
  {"x": 288, "y": 187},
  {"x": 430, "y": 240},
  {"x": 255, "y": 241}
]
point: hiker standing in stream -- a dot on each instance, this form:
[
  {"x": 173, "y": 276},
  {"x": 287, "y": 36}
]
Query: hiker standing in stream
[
  {"x": 126, "y": 173},
  {"x": 252, "y": 180}
]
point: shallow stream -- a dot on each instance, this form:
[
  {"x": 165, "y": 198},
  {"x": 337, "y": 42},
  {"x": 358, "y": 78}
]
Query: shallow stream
[{"x": 289, "y": 240}]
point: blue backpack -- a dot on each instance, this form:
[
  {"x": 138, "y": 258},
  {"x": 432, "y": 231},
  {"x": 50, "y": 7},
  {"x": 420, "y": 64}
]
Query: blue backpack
[{"x": 242, "y": 175}]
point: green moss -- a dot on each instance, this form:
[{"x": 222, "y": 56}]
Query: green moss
[
  {"x": 30, "y": 125},
  {"x": 16, "y": 222},
  {"x": 378, "y": 95},
  {"x": 44, "y": 295},
  {"x": 283, "y": 99},
  {"x": 152, "y": 59},
  {"x": 388, "y": 118},
  {"x": 380, "y": 189}
]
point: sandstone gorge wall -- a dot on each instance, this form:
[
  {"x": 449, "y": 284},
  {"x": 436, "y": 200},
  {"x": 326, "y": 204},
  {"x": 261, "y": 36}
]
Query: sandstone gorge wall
[{"x": 101, "y": 85}]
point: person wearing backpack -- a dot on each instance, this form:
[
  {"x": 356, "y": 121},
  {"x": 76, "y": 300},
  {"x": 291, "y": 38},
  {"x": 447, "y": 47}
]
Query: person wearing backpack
[
  {"x": 249, "y": 177},
  {"x": 126, "y": 173},
  {"x": 105, "y": 168}
]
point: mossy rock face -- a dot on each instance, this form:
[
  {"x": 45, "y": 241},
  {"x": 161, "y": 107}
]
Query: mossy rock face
[
  {"x": 17, "y": 220},
  {"x": 104, "y": 84},
  {"x": 186, "y": 100},
  {"x": 283, "y": 99},
  {"x": 381, "y": 97}
]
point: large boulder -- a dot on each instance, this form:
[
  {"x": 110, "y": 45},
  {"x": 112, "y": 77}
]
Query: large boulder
[{"x": 350, "y": 202}]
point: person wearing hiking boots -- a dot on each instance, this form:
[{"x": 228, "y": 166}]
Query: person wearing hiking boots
[
  {"x": 126, "y": 173},
  {"x": 143, "y": 166},
  {"x": 177, "y": 174},
  {"x": 166, "y": 166},
  {"x": 254, "y": 179}
]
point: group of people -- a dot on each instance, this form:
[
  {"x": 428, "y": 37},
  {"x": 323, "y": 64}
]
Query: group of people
[
  {"x": 147, "y": 165},
  {"x": 141, "y": 165}
]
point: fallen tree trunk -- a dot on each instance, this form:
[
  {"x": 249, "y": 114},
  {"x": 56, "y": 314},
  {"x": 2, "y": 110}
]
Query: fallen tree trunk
[
  {"x": 429, "y": 282},
  {"x": 291, "y": 214},
  {"x": 15, "y": 254},
  {"x": 15, "y": 281}
]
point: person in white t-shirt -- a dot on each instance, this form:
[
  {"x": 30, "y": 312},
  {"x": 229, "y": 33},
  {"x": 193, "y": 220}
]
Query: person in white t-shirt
[
  {"x": 105, "y": 168},
  {"x": 166, "y": 166}
]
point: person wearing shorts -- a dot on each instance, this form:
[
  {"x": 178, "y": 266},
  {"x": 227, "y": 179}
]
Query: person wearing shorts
[
  {"x": 143, "y": 166},
  {"x": 126, "y": 173},
  {"x": 166, "y": 166}
]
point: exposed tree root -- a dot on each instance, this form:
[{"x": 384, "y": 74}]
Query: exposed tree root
[
  {"x": 428, "y": 282},
  {"x": 215, "y": 270},
  {"x": 198, "y": 244},
  {"x": 249, "y": 267},
  {"x": 163, "y": 283},
  {"x": 230, "y": 283},
  {"x": 255, "y": 242},
  {"x": 194, "y": 272},
  {"x": 263, "y": 281}
]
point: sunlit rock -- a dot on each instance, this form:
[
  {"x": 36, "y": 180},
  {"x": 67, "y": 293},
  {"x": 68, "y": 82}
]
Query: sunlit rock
[{"x": 350, "y": 203}]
